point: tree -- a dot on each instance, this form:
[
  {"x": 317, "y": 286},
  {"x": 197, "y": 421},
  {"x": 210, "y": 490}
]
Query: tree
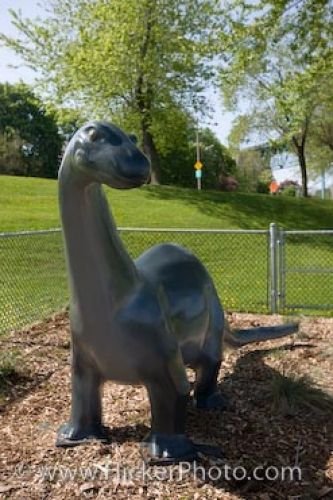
[
  {"x": 278, "y": 54},
  {"x": 320, "y": 147},
  {"x": 253, "y": 169},
  {"x": 123, "y": 58},
  {"x": 29, "y": 140},
  {"x": 68, "y": 120},
  {"x": 253, "y": 162},
  {"x": 178, "y": 159},
  {"x": 323, "y": 126},
  {"x": 11, "y": 157},
  {"x": 176, "y": 154}
]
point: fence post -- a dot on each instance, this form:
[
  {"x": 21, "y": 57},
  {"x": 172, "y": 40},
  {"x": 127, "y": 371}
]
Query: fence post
[
  {"x": 282, "y": 270},
  {"x": 273, "y": 268}
]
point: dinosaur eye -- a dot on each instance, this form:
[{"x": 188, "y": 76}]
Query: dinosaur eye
[
  {"x": 103, "y": 134},
  {"x": 92, "y": 134}
]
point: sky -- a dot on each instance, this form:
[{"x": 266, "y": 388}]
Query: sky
[
  {"x": 220, "y": 123},
  {"x": 28, "y": 7}
]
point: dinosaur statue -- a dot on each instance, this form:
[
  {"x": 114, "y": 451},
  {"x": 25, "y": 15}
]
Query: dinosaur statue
[{"x": 134, "y": 322}]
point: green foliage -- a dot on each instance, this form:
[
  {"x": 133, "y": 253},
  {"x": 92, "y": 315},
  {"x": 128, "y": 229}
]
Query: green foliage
[
  {"x": 266, "y": 177},
  {"x": 253, "y": 163},
  {"x": 10, "y": 368},
  {"x": 293, "y": 393},
  {"x": 8, "y": 361},
  {"x": 137, "y": 61},
  {"x": 262, "y": 187},
  {"x": 320, "y": 145},
  {"x": 238, "y": 136},
  {"x": 289, "y": 188},
  {"x": 253, "y": 172},
  {"x": 29, "y": 140},
  {"x": 279, "y": 55},
  {"x": 68, "y": 120},
  {"x": 289, "y": 191}
]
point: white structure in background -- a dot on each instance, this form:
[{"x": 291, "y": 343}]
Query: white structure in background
[{"x": 285, "y": 167}]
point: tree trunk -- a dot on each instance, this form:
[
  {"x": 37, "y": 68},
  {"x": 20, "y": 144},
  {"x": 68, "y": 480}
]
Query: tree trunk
[
  {"x": 152, "y": 153},
  {"x": 144, "y": 98},
  {"x": 302, "y": 164},
  {"x": 300, "y": 151}
]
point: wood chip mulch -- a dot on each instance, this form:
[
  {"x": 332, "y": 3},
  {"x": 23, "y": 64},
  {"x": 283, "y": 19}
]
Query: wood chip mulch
[{"x": 252, "y": 432}]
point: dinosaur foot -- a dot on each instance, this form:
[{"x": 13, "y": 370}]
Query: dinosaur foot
[
  {"x": 214, "y": 401},
  {"x": 166, "y": 449},
  {"x": 68, "y": 436}
]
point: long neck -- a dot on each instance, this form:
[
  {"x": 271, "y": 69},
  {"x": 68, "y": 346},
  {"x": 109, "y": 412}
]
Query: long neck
[{"x": 99, "y": 266}]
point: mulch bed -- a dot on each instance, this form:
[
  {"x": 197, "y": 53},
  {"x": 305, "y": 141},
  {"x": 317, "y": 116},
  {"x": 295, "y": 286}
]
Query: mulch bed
[{"x": 251, "y": 432}]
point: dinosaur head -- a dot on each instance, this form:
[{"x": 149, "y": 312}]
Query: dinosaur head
[{"x": 105, "y": 154}]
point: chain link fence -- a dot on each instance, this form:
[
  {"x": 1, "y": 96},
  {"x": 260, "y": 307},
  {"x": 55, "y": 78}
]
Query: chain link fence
[
  {"x": 237, "y": 260},
  {"x": 254, "y": 271},
  {"x": 32, "y": 277},
  {"x": 306, "y": 271}
]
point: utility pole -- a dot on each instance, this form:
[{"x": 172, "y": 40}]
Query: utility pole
[{"x": 198, "y": 159}]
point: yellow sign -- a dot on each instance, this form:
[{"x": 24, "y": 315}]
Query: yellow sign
[{"x": 198, "y": 165}]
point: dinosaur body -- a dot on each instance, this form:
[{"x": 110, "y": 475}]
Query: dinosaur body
[{"x": 133, "y": 322}]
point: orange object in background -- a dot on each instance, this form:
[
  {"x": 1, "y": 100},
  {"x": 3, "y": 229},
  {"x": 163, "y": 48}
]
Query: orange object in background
[{"x": 274, "y": 187}]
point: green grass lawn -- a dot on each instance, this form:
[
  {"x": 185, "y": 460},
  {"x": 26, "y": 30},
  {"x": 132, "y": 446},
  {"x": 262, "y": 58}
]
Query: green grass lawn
[
  {"x": 32, "y": 272},
  {"x": 29, "y": 203}
]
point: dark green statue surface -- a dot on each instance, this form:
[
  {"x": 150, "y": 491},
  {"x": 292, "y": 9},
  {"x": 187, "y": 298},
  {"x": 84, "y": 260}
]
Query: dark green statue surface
[{"x": 134, "y": 322}]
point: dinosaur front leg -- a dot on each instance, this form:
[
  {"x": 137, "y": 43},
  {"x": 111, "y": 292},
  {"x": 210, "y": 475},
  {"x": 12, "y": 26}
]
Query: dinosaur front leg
[
  {"x": 167, "y": 442},
  {"x": 86, "y": 411},
  {"x": 168, "y": 392}
]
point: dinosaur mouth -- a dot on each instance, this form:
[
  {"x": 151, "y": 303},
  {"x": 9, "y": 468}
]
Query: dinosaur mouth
[
  {"x": 119, "y": 172},
  {"x": 129, "y": 178},
  {"x": 119, "y": 182}
]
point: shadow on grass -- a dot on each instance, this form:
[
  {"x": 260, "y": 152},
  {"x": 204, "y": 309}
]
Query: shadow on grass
[{"x": 250, "y": 211}]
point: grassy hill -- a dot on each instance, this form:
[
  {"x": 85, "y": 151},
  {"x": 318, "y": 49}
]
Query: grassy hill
[{"x": 29, "y": 203}]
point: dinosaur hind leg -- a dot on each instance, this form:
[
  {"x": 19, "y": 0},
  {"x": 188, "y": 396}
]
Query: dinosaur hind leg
[{"x": 206, "y": 394}]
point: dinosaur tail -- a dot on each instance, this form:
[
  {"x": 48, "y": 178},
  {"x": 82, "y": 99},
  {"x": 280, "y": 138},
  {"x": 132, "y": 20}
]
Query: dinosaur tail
[{"x": 260, "y": 334}]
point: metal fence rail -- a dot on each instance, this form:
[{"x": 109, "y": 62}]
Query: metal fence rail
[{"x": 254, "y": 270}]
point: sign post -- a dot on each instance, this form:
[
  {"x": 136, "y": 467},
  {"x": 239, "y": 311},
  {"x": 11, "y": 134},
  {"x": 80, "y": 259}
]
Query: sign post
[
  {"x": 198, "y": 176},
  {"x": 198, "y": 164},
  {"x": 198, "y": 173}
]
